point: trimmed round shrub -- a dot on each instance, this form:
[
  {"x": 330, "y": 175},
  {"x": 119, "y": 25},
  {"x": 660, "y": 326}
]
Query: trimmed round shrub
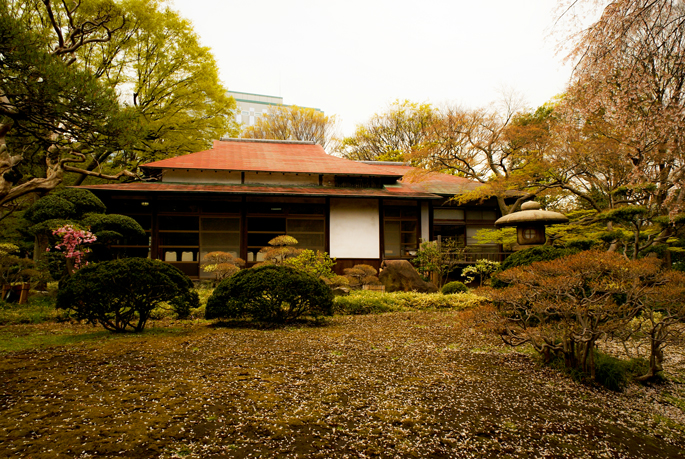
[
  {"x": 454, "y": 287},
  {"x": 270, "y": 293},
  {"x": 68, "y": 203},
  {"x": 121, "y": 294}
]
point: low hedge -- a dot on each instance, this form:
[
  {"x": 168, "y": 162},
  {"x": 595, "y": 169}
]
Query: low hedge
[{"x": 370, "y": 302}]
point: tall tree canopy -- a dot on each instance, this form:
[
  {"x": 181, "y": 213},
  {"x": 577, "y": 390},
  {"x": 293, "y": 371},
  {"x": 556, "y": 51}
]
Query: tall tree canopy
[
  {"x": 96, "y": 87},
  {"x": 52, "y": 111},
  {"x": 503, "y": 149},
  {"x": 390, "y": 136},
  {"x": 170, "y": 82},
  {"x": 619, "y": 143},
  {"x": 289, "y": 122}
]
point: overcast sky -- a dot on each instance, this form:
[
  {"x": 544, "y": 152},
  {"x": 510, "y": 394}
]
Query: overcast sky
[{"x": 352, "y": 58}]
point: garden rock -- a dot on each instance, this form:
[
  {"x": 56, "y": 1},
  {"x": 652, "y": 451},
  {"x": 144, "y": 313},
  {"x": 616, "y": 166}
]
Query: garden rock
[{"x": 400, "y": 276}]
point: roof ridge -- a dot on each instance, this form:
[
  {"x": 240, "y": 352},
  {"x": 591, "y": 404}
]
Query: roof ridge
[{"x": 298, "y": 142}]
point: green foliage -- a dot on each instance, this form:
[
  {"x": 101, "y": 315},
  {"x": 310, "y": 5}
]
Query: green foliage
[
  {"x": 438, "y": 258},
  {"x": 177, "y": 97},
  {"x": 65, "y": 204},
  {"x": 111, "y": 227},
  {"x": 390, "y": 136},
  {"x": 270, "y": 293},
  {"x": 14, "y": 268},
  {"x": 610, "y": 372},
  {"x": 53, "y": 105},
  {"x": 454, "y": 287},
  {"x": 121, "y": 294},
  {"x": 371, "y": 302},
  {"x": 483, "y": 269},
  {"x": 505, "y": 236},
  {"x": 318, "y": 264},
  {"x": 39, "y": 309}
]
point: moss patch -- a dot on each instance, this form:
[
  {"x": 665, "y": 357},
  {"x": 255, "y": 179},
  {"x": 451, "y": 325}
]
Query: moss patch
[{"x": 408, "y": 384}]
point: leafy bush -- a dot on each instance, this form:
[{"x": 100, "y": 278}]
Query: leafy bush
[
  {"x": 270, "y": 293},
  {"x": 454, "y": 287},
  {"x": 121, "y": 294},
  {"x": 279, "y": 250},
  {"x": 318, "y": 263},
  {"x": 370, "y": 302},
  {"x": 529, "y": 256},
  {"x": 483, "y": 269},
  {"x": 562, "y": 307},
  {"x": 439, "y": 259},
  {"x": 610, "y": 372},
  {"x": 14, "y": 268},
  {"x": 361, "y": 275},
  {"x": 222, "y": 264}
]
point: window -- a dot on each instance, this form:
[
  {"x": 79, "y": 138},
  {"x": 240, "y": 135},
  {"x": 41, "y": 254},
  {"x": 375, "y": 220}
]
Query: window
[
  {"x": 400, "y": 236},
  {"x": 179, "y": 240},
  {"x": 219, "y": 234},
  {"x": 481, "y": 215},
  {"x": 448, "y": 214},
  {"x": 457, "y": 232},
  {"x": 303, "y": 221}
]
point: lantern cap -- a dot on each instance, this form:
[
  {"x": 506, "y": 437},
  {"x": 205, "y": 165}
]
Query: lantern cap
[{"x": 530, "y": 213}]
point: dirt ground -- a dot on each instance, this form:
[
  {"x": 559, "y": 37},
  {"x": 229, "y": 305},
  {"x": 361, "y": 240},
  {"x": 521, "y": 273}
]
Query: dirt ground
[{"x": 422, "y": 384}]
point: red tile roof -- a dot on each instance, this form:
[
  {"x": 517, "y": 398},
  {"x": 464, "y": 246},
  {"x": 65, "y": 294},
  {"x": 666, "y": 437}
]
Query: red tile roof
[
  {"x": 399, "y": 191},
  {"x": 270, "y": 156}
]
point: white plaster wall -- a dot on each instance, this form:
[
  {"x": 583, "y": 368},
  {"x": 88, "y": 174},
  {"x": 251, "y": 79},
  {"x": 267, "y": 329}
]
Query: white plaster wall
[
  {"x": 200, "y": 176},
  {"x": 281, "y": 179},
  {"x": 355, "y": 228},
  {"x": 425, "y": 222}
]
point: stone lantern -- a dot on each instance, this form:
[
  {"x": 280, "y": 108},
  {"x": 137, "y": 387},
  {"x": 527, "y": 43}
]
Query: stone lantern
[{"x": 530, "y": 223}]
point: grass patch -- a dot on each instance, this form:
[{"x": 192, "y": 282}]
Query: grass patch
[
  {"x": 15, "y": 338},
  {"x": 39, "y": 309}
]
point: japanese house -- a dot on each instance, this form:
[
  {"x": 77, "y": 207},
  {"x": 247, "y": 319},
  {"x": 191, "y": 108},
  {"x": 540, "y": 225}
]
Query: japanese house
[{"x": 242, "y": 193}]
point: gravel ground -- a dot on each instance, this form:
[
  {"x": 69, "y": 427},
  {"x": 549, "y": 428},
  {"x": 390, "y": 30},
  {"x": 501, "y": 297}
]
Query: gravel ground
[{"x": 421, "y": 384}]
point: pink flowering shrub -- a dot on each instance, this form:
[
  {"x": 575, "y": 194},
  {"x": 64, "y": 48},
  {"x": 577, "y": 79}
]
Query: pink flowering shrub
[{"x": 72, "y": 245}]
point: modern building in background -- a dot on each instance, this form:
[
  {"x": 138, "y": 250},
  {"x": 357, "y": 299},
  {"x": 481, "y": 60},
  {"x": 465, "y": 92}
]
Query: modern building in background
[{"x": 251, "y": 106}]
